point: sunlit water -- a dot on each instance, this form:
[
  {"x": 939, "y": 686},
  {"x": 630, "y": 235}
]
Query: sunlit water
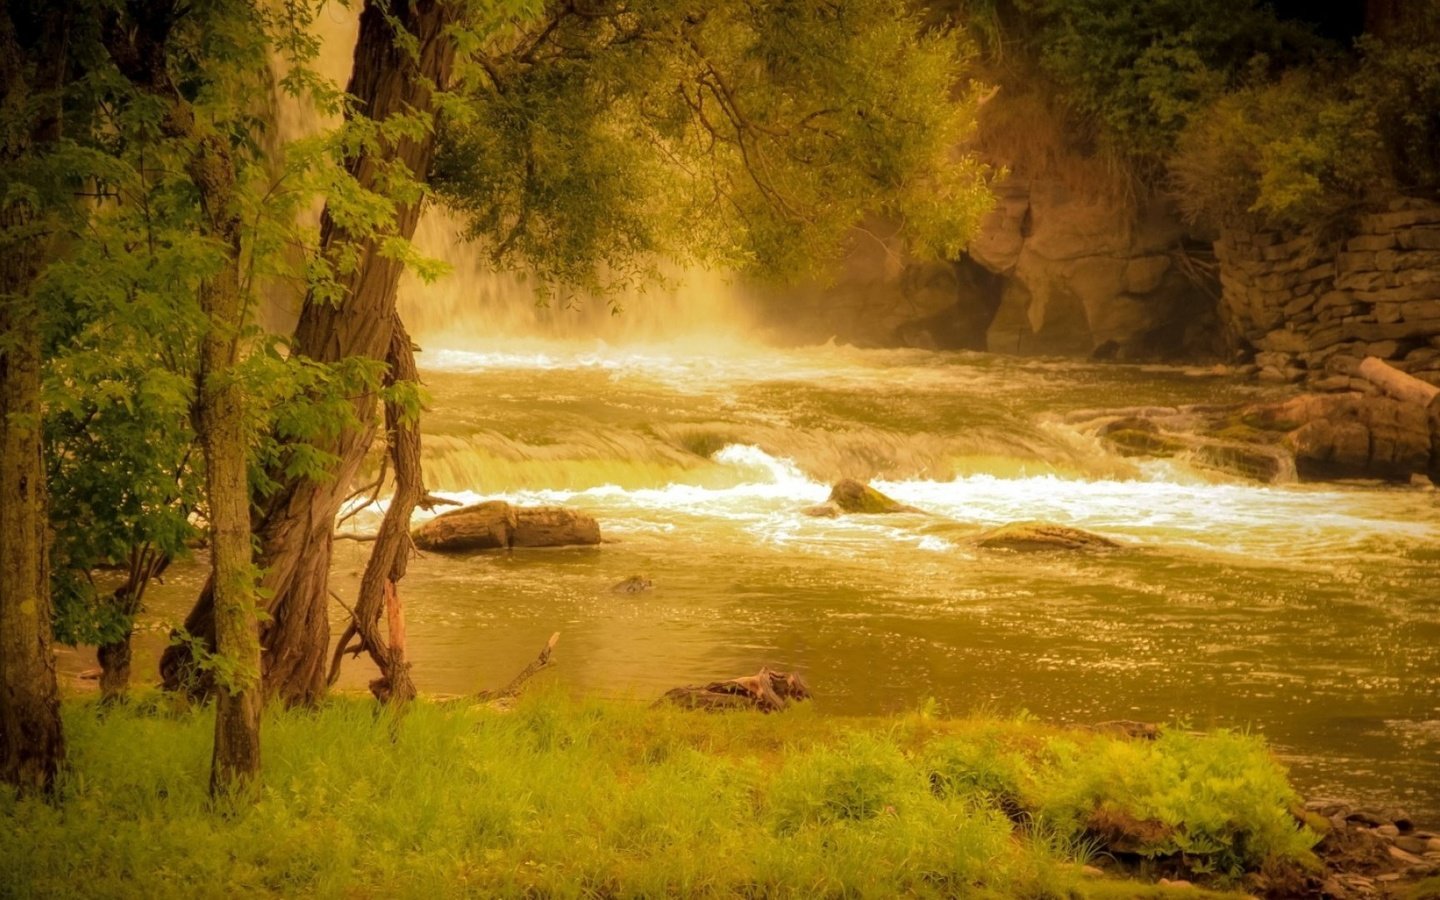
[{"x": 1304, "y": 612}]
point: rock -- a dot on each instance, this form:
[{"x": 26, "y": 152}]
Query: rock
[
  {"x": 554, "y": 526},
  {"x": 823, "y": 511},
  {"x": 1389, "y": 831},
  {"x": 635, "y": 584},
  {"x": 496, "y": 525},
  {"x": 484, "y": 526},
  {"x": 1031, "y": 537},
  {"x": 851, "y": 496},
  {"x": 1408, "y": 859},
  {"x": 1412, "y": 844}
]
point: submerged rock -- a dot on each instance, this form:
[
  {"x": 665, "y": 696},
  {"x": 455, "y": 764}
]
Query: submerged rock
[
  {"x": 1032, "y": 537},
  {"x": 635, "y": 584},
  {"x": 851, "y": 496},
  {"x": 496, "y": 525}
]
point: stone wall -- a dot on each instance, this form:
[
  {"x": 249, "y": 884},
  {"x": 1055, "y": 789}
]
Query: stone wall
[{"x": 1311, "y": 307}]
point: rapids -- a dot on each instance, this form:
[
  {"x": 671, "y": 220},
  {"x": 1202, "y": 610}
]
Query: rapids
[{"x": 1305, "y": 612}]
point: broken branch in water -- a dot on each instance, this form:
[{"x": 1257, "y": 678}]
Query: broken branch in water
[{"x": 513, "y": 688}]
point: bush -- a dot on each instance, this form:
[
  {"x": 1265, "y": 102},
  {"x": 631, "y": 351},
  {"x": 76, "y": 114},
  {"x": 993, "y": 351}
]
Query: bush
[{"x": 1287, "y": 153}]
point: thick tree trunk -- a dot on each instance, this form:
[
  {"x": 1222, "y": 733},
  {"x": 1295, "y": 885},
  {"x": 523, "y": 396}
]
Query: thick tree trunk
[
  {"x": 32, "y": 745},
  {"x": 299, "y": 519}
]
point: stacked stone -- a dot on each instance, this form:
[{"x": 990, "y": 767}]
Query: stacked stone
[{"x": 1314, "y": 308}]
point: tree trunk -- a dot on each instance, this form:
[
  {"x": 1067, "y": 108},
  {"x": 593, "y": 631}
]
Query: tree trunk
[
  {"x": 139, "y": 48},
  {"x": 296, "y": 529},
  {"x": 235, "y": 766},
  {"x": 391, "y": 553},
  {"x": 32, "y": 745}
]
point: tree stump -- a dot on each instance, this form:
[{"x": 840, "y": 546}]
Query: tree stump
[{"x": 767, "y": 691}]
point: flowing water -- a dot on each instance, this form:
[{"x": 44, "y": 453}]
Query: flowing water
[{"x": 1305, "y": 612}]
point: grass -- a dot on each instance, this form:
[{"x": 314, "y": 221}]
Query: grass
[{"x": 576, "y": 798}]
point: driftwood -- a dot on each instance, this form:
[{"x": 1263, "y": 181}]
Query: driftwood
[
  {"x": 1397, "y": 384},
  {"x": 512, "y": 689},
  {"x": 766, "y": 690}
]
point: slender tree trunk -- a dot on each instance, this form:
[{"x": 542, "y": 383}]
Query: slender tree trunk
[
  {"x": 139, "y": 49},
  {"x": 146, "y": 564},
  {"x": 299, "y": 520},
  {"x": 32, "y": 745},
  {"x": 390, "y": 554}
]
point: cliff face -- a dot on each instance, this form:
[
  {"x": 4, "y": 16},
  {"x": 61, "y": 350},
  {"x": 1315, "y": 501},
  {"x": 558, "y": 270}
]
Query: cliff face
[
  {"x": 1086, "y": 277},
  {"x": 1052, "y": 272}
]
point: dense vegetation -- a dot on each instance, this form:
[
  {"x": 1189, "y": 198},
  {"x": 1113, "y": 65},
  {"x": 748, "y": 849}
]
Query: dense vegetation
[
  {"x": 1238, "y": 110},
  {"x": 566, "y": 798}
]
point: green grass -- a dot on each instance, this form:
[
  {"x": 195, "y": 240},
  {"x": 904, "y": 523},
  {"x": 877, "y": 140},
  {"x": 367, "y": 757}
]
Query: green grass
[{"x": 574, "y": 798}]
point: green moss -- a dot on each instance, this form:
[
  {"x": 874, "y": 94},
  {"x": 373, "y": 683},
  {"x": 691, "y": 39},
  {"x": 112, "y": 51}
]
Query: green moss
[{"x": 564, "y": 797}]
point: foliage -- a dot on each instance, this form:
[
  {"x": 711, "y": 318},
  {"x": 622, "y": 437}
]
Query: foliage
[
  {"x": 1135, "y": 72},
  {"x": 1318, "y": 141},
  {"x": 575, "y": 798},
  {"x": 1399, "y": 83},
  {"x": 1288, "y": 153},
  {"x": 753, "y": 135}
]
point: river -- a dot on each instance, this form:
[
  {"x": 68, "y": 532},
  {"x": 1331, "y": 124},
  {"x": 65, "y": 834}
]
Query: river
[{"x": 1307, "y": 613}]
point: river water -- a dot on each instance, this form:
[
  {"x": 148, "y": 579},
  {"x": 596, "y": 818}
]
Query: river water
[{"x": 1308, "y": 613}]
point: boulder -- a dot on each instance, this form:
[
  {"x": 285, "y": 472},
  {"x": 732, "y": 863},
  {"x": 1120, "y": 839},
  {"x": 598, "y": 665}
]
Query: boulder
[
  {"x": 851, "y": 496},
  {"x": 496, "y": 525},
  {"x": 1033, "y": 537}
]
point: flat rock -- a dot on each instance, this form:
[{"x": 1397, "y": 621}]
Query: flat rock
[{"x": 1033, "y": 537}]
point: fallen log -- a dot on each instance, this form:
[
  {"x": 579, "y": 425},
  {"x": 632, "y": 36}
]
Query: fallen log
[
  {"x": 484, "y": 526},
  {"x": 553, "y": 526},
  {"x": 1400, "y": 385},
  {"x": 767, "y": 691},
  {"x": 496, "y": 525}
]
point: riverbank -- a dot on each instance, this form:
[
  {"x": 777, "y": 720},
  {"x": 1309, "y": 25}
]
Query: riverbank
[{"x": 564, "y": 797}]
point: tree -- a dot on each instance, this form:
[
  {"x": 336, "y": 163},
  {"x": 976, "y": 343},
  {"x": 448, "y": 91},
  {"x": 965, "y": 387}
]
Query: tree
[{"x": 33, "y": 57}]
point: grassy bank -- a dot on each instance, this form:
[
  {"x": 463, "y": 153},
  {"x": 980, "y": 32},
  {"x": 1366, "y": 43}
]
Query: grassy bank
[{"x": 562, "y": 797}]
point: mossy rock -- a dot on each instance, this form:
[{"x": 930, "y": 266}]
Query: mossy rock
[
  {"x": 1039, "y": 537},
  {"x": 1134, "y": 442},
  {"x": 851, "y": 496}
]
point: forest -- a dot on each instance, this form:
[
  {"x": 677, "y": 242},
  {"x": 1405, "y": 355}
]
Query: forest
[{"x": 1047, "y": 386}]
